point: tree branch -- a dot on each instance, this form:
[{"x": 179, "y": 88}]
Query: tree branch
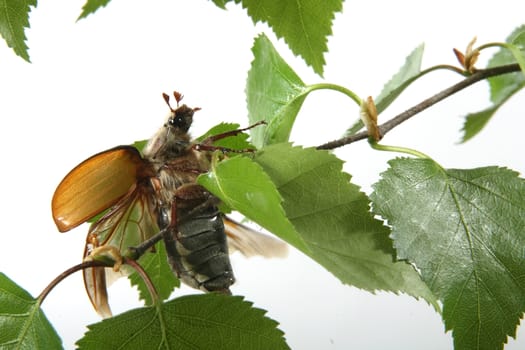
[{"x": 409, "y": 113}]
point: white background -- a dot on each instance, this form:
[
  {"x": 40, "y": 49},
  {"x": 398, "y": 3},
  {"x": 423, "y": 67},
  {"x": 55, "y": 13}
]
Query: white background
[{"x": 96, "y": 83}]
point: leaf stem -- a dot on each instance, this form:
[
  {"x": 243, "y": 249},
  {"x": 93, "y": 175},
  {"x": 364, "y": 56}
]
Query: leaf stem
[
  {"x": 373, "y": 143},
  {"x": 155, "y": 300},
  {"x": 409, "y": 113},
  {"x": 516, "y": 52},
  {"x": 489, "y": 45},
  {"x": 339, "y": 88},
  {"x": 445, "y": 67}
]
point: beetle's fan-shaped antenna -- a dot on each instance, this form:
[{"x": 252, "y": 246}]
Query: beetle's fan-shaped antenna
[{"x": 178, "y": 97}]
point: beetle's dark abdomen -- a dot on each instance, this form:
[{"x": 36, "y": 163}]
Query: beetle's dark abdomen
[{"x": 198, "y": 252}]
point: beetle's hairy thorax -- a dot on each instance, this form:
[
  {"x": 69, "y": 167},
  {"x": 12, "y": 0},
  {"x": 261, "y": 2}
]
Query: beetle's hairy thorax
[{"x": 174, "y": 162}]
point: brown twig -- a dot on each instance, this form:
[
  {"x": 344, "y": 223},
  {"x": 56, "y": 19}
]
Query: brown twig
[
  {"x": 409, "y": 113},
  {"x": 100, "y": 263},
  {"x": 67, "y": 273}
]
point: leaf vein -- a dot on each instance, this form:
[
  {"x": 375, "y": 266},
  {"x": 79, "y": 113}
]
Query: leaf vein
[
  {"x": 518, "y": 204},
  {"x": 489, "y": 250},
  {"x": 468, "y": 235}
]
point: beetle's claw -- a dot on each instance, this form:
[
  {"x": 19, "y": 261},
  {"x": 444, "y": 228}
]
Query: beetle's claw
[{"x": 107, "y": 251}]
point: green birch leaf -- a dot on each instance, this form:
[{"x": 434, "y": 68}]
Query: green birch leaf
[
  {"x": 243, "y": 186},
  {"x": 275, "y": 93},
  {"x": 465, "y": 232},
  {"x": 333, "y": 218},
  {"x": 354, "y": 128},
  {"x": 14, "y": 18},
  {"x": 517, "y": 48},
  {"x": 221, "y": 3},
  {"x": 23, "y": 324},
  {"x": 519, "y": 39},
  {"x": 156, "y": 266},
  {"x": 140, "y": 145},
  {"x": 407, "y": 74},
  {"x": 303, "y": 24},
  {"x": 92, "y": 6},
  {"x": 477, "y": 121},
  {"x": 205, "y": 321},
  {"x": 502, "y": 87}
]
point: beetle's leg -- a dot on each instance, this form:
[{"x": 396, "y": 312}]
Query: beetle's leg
[
  {"x": 136, "y": 252},
  {"x": 207, "y": 143}
]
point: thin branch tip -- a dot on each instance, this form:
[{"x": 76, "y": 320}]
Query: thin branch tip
[{"x": 386, "y": 127}]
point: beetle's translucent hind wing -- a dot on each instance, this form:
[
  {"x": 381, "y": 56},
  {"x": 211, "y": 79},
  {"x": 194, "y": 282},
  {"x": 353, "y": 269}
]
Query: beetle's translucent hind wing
[{"x": 251, "y": 242}]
